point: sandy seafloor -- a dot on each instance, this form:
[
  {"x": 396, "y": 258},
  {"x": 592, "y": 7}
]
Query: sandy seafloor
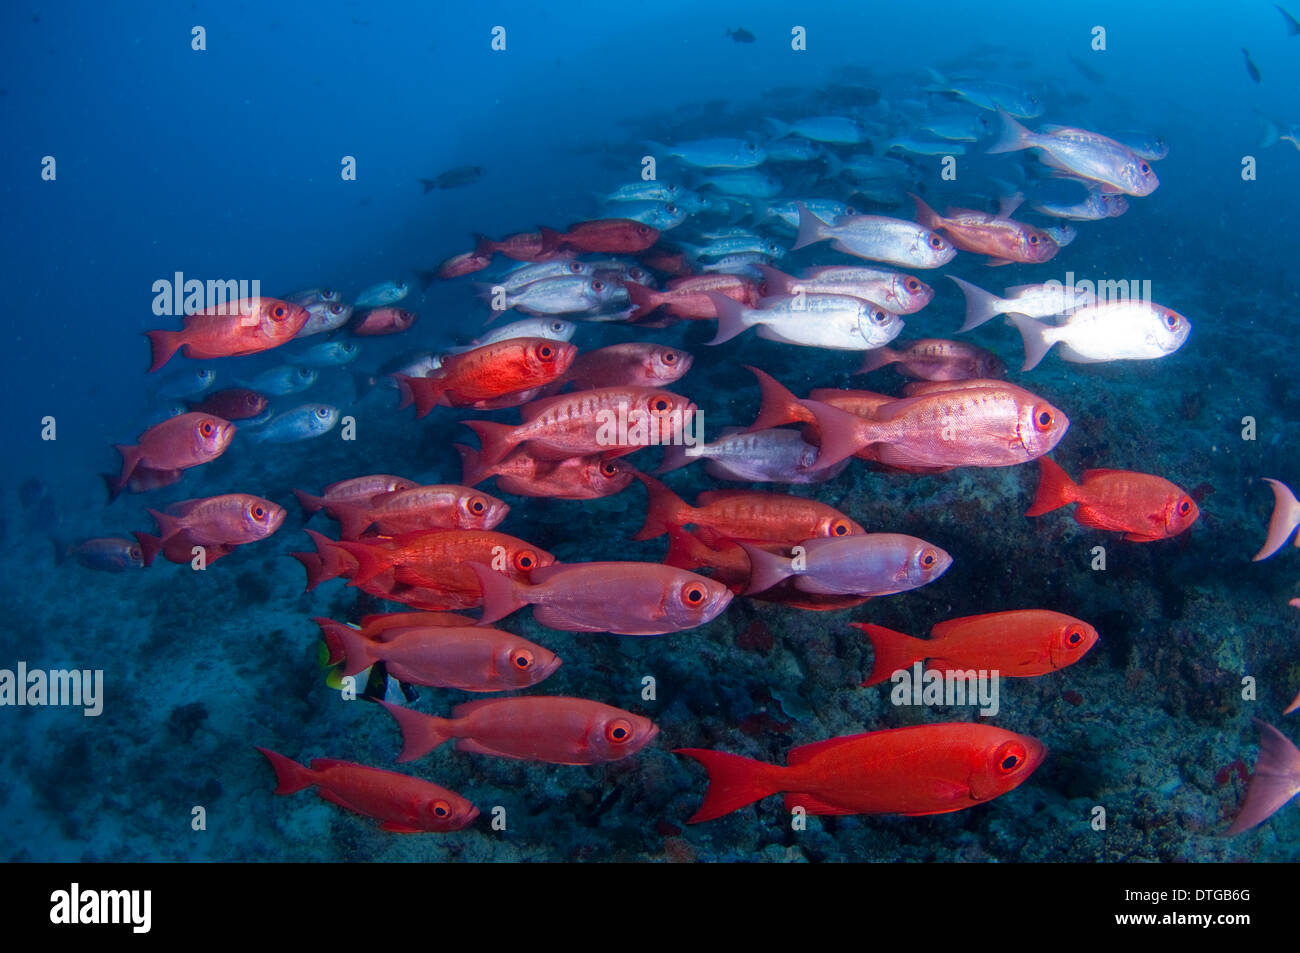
[{"x": 200, "y": 667}]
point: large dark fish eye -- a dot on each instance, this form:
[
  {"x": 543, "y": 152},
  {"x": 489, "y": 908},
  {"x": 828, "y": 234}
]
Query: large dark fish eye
[
  {"x": 1171, "y": 321},
  {"x": 609, "y": 468},
  {"x": 1009, "y": 762},
  {"x": 619, "y": 731},
  {"x": 322, "y": 412},
  {"x": 522, "y": 659},
  {"x": 695, "y": 594},
  {"x": 928, "y": 559},
  {"x": 1074, "y": 637},
  {"x": 935, "y": 241},
  {"x": 477, "y": 505},
  {"x": 750, "y": 147},
  {"x": 336, "y": 308},
  {"x": 279, "y": 311},
  {"x": 597, "y": 285},
  {"x": 546, "y": 352},
  {"x": 441, "y": 808},
  {"x": 913, "y": 285},
  {"x": 1033, "y": 239},
  {"x": 1043, "y": 419},
  {"x": 1185, "y": 507},
  {"x": 669, "y": 357},
  {"x": 1144, "y": 168}
]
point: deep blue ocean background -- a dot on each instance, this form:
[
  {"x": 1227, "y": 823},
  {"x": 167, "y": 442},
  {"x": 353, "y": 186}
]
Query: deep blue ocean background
[{"x": 225, "y": 164}]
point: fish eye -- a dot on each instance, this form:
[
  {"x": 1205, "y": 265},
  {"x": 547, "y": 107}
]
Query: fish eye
[
  {"x": 336, "y": 308},
  {"x": 348, "y": 348},
  {"x": 609, "y": 468},
  {"x": 928, "y": 559},
  {"x": 913, "y": 285},
  {"x": 597, "y": 285},
  {"x": 1011, "y": 756},
  {"x": 750, "y": 147},
  {"x": 619, "y": 731},
  {"x": 1043, "y": 419},
  {"x": 134, "y": 552},
  {"x": 661, "y": 405},
  {"x": 401, "y": 286},
  {"x": 850, "y": 210},
  {"x": 840, "y": 528},
  {"x": 557, "y": 327},
  {"x": 694, "y": 594},
  {"x": 1185, "y": 506},
  {"x": 1074, "y": 636},
  {"x": 304, "y": 372},
  {"x": 879, "y": 317},
  {"x": 322, "y": 412},
  {"x": 1033, "y": 239},
  {"x": 576, "y": 267},
  {"x": 328, "y": 294},
  {"x": 259, "y": 512},
  {"x": 521, "y": 659},
  {"x": 524, "y": 560},
  {"x": 441, "y": 809},
  {"x": 279, "y": 312},
  {"x": 477, "y": 505},
  {"x": 546, "y": 352},
  {"x": 1144, "y": 168},
  {"x": 645, "y": 229},
  {"x": 669, "y": 357},
  {"x": 1171, "y": 321},
  {"x": 936, "y": 242},
  {"x": 636, "y": 274}
]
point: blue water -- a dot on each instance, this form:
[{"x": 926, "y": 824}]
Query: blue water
[{"x": 225, "y": 163}]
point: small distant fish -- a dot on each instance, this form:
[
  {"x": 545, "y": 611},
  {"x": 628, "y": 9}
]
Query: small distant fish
[
  {"x": 402, "y": 804},
  {"x": 1292, "y": 24},
  {"x": 387, "y": 292},
  {"x": 383, "y": 321},
  {"x": 741, "y": 35},
  {"x": 878, "y": 238},
  {"x": 301, "y": 423},
  {"x": 188, "y": 385},
  {"x": 989, "y": 95},
  {"x": 1097, "y": 205},
  {"x": 284, "y": 380},
  {"x": 934, "y": 359},
  {"x": 1143, "y": 507},
  {"x": 106, "y": 554},
  {"x": 1082, "y": 154},
  {"x": 323, "y": 316},
  {"x": 836, "y": 130},
  {"x": 1251, "y": 68},
  {"x": 1062, "y": 234},
  {"x": 715, "y": 153},
  {"x": 453, "y": 178},
  {"x": 233, "y": 403}
]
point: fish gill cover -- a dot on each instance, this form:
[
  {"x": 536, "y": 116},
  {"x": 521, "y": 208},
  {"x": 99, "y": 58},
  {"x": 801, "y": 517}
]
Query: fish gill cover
[{"x": 798, "y": 348}]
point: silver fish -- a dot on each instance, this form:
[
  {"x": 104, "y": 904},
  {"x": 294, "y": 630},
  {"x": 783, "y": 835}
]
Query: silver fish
[
  {"x": 387, "y": 292},
  {"x": 279, "y": 381},
  {"x": 301, "y": 423},
  {"x": 778, "y": 455},
  {"x": 328, "y": 354},
  {"x": 715, "y": 153},
  {"x": 874, "y": 564},
  {"x": 878, "y": 238}
]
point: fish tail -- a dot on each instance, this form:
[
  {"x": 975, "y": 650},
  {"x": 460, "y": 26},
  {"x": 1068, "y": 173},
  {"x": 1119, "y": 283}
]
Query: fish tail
[
  {"x": 734, "y": 782},
  {"x": 424, "y": 392},
  {"x": 370, "y": 560},
  {"x": 778, "y": 282},
  {"x": 893, "y": 650},
  {"x": 315, "y": 567},
  {"x": 168, "y": 525},
  {"x": 765, "y": 569},
  {"x": 1285, "y": 519},
  {"x": 981, "y": 306},
  {"x": 674, "y": 459},
  {"x": 500, "y": 594},
  {"x": 421, "y": 733},
  {"x": 130, "y": 460},
  {"x": 1014, "y": 136},
  {"x": 551, "y": 239},
  {"x": 683, "y": 549},
  {"x": 353, "y": 520},
  {"x": 938, "y": 82},
  {"x": 290, "y": 776},
  {"x": 732, "y": 317},
  {"x": 162, "y": 345},
  {"x": 841, "y": 434},
  {"x": 310, "y": 504},
  {"x": 1276, "y": 779},
  {"x": 811, "y": 228},
  {"x": 429, "y": 186},
  {"x": 484, "y": 247},
  {"x": 643, "y": 299},
  {"x": 1271, "y": 133},
  {"x": 496, "y": 440},
  {"x": 924, "y": 214},
  {"x": 1034, "y": 334},
  {"x": 329, "y": 634},
  {"x": 777, "y": 405},
  {"x": 1055, "y": 489},
  {"x": 426, "y": 278},
  {"x": 779, "y": 129},
  {"x": 331, "y": 563},
  {"x": 110, "y": 484},
  {"x": 149, "y": 547},
  {"x": 472, "y": 470},
  {"x": 665, "y": 509},
  {"x": 875, "y": 359},
  {"x": 358, "y": 652}
]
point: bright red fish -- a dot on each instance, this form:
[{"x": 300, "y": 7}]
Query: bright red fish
[
  {"x": 998, "y": 236},
  {"x": 553, "y": 729},
  {"x": 217, "y": 523},
  {"x": 384, "y": 321},
  {"x": 924, "y": 769},
  {"x": 403, "y": 805},
  {"x": 1017, "y": 644},
  {"x": 577, "y": 478},
  {"x": 417, "y": 508},
  {"x": 178, "y": 443},
  {"x": 1143, "y": 507},
  {"x": 489, "y": 372},
  {"x": 611, "y": 235},
  {"x": 252, "y": 325}
]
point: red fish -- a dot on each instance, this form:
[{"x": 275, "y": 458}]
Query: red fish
[
  {"x": 233, "y": 403},
  {"x": 634, "y": 363},
  {"x": 625, "y": 598},
  {"x": 384, "y": 321},
  {"x": 468, "y": 657},
  {"x": 577, "y": 478},
  {"x": 935, "y": 359},
  {"x": 142, "y": 481},
  {"x": 1143, "y": 507},
  {"x": 376, "y": 628},
  {"x": 752, "y": 515},
  {"x": 463, "y": 264},
  {"x": 525, "y": 246},
  {"x": 688, "y": 297},
  {"x": 490, "y": 371},
  {"x": 1275, "y": 782},
  {"x": 217, "y": 523},
  {"x": 358, "y": 490},
  {"x": 178, "y": 443},
  {"x": 252, "y": 325},
  {"x": 554, "y": 729},
  {"x": 411, "y": 510},
  {"x": 1017, "y": 644},
  {"x": 403, "y": 805},
  {"x": 998, "y": 236},
  {"x": 610, "y": 420},
  {"x": 611, "y": 235},
  {"x": 924, "y": 769}
]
